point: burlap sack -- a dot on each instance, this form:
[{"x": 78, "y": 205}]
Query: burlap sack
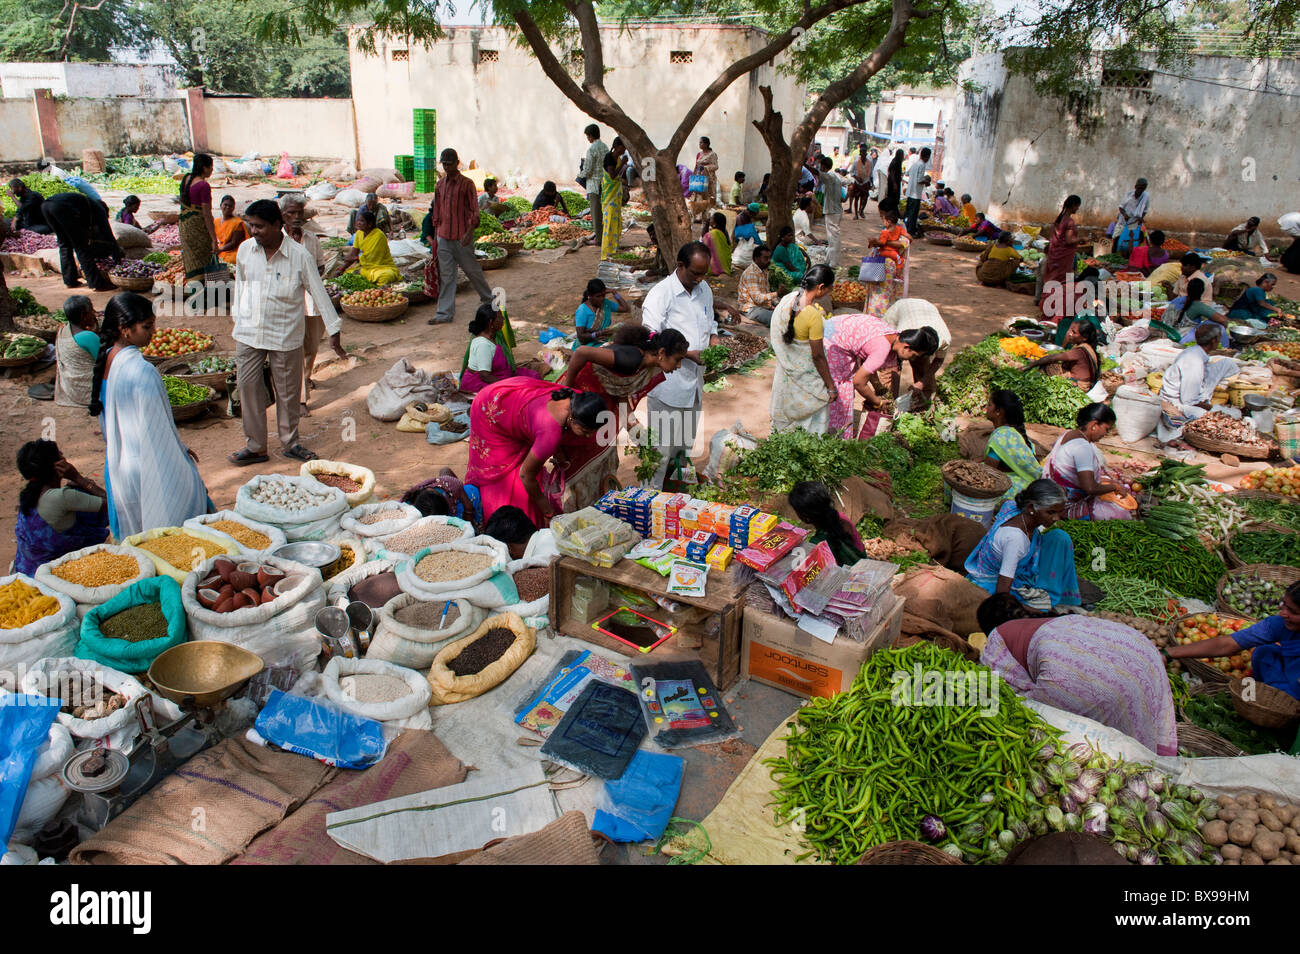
[
  {"x": 942, "y": 597},
  {"x": 973, "y": 442},
  {"x": 949, "y": 538},
  {"x": 565, "y": 841},
  {"x": 447, "y": 687}
]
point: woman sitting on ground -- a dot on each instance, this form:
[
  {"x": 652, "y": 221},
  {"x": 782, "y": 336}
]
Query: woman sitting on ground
[
  {"x": 1009, "y": 448},
  {"x": 745, "y": 228},
  {"x": 593, "y": 320},
  {"x": 788, "y": 260},
  {"x": 550, "y": 196},
  {"x": 447, "y": 496},
  {"x": 1147, "y": 258},
  {"x": 1092, "y": 667},
  {"x": 59, "y": 511},
  {"x": 811, "y": 502},
  {"x": 1079, "y": 362},
  {"x": 1021, "y": 555},
  {"x": 1252, "y": 305},
  {"x": 369, "y": 253},
  {"x": 715, "y": 239},
  {"x": 944, "y": 204},
  {"x": 998, "y": 262},
  {"x": 1077, "y": 466},
  {"x": 126, "y": 215},
  {"x": 76, "y": 347},
  {"x": 490, "y": 356}
]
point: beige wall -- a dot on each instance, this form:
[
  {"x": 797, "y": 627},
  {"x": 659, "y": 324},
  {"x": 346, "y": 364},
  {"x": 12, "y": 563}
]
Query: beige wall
[
  {"x": 121, "y": 126},
  {"x": 304, "y": 128},
  {"x": 507, "y": 116},
  {"x": 20, "y": 139}
]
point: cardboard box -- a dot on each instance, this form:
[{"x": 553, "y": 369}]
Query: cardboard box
[{"x": 777, "y": 653}]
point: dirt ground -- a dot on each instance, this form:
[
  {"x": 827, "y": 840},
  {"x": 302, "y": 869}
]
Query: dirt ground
[{"x": 538, "y": 295}]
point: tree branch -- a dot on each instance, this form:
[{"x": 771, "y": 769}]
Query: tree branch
[
  {"x": 811, "y": 16},
  {"x": 593, "y": 48}
]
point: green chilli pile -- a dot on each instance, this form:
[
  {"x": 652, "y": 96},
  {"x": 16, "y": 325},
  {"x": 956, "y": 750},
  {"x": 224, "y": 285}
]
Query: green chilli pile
[
  {"x": 1105, "y": 549},
  {"x": 888, "y": 761},
  {"x": 1267, "y": 546},
  {"x": 180, "y": 393}
]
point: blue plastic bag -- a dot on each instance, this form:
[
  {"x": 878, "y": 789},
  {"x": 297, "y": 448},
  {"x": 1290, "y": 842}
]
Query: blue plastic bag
[
  {"x": 638, "y": 805},
  {"x": 25, "y": 722},
  {"x": 322, "y": 731},
  {"x": 435, "y": 434},
  {"x": 550, "y": 334}
]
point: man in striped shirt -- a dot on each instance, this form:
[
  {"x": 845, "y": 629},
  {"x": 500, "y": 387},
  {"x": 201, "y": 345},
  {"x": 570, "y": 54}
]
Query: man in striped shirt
[
  {"x": 455, "y": 217},
  {"x": 273, "y": 275}
]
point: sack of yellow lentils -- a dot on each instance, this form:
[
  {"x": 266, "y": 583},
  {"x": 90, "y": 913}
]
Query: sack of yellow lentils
[
  {"x": 175, "y": 551},
  {"x": 35, "y": 622},
  {"x": 94, "y": 575}
]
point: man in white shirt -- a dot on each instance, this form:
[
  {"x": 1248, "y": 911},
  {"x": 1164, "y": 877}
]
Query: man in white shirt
[
  {"x": 909, "y": 314},
  {"x": 1188, "y": 385},
  {"x": 832, "y": 209},
  {"x": 802, "y": 221},
  {"x": 273, "y": 276},
  {"x": 682, "y": 301},
  {"x": 914, "y": 180}
]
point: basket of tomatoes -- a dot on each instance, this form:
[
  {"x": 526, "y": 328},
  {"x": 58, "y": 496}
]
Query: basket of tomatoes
[
  {"x": 168, "y": 343},
  {"x": 1199, "y": 627}
]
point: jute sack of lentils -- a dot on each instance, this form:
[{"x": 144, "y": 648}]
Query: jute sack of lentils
[
  {"x": 136, "y": 651},
  {"x": 409, "y": 632},
  {"x": 94, "y": 575},
  {"x": 432, "y": 531},
  {"x": 282, "y": 632},
  {"x": 381, "y": 519},
  {"x": 253, "y": 539},
  {"x": 378, "y": 690},
  {"x": 469, "y": 570},
  {"x": 455, "y": 674},
  {"x": 118, "y": 729}
]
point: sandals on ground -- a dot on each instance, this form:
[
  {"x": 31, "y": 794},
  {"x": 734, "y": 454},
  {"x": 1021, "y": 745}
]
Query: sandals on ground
[
  {"x": 298, "y": 452},
  {"x": 244, "y": 457}
]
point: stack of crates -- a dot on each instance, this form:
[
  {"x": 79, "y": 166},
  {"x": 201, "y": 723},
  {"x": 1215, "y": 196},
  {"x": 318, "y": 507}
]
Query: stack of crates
[
  {"x": 405, "y": 166},
  {"x": 425, "y": 125}
]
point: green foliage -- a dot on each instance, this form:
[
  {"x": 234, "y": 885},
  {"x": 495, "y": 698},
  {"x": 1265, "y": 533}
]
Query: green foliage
[
  {"x": 25, "y": 302},
  {"x": 964, "y": 386},
  {"x": 1048, "y": 399},
  {"x": 36, "y": 31},
  {"x": 488, "y": 225},
  {"x": 575, "y": 203}
]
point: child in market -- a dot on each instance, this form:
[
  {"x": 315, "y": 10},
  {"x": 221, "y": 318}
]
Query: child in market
[
  {"x": 447, "y": 496},
  {"x": 512, "y": 527},
  {"x": 811, "y": 501}
]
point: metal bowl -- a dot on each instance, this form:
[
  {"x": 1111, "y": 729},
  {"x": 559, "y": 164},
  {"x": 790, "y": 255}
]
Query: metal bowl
[
  {"x": 311, "y": 552},
  {"x": 203, "y": 673},
  {"x": 1256, "y": 402}
]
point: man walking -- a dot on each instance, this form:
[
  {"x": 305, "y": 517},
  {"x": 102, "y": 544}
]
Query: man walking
[
  {"x": 915, "y": 177},
  {"x": 593, "y": 171},
  {"x": 832, "y": 209},
  {"x": 682, "y": 301},
  {"x": 454, "y": 217},
  {"x": 273, "y": 274}
]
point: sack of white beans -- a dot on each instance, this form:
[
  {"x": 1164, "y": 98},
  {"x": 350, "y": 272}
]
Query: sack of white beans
[
  {"x": 411, "y": 630},
  {"x": 465, "y": 570},
  {"x": 374, "y": 689},
  {"x": 302, "y": 507},
  {"x": 380, "y": 519},
  {"x": 425, "y": 532},
  {"x": 88, "y": 597}
]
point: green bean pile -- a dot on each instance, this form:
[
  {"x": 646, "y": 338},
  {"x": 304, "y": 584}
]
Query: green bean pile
[
  {"x": 1126, "y": 548},
  {"x": 1267, "y": 546},
  {"x": 860, "y": 771}
]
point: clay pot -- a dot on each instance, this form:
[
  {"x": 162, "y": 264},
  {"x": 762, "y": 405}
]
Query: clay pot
[{"x": 208, "y": 597}]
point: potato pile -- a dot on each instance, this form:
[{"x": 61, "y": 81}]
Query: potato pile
[{"x": 1254, "y": 830}]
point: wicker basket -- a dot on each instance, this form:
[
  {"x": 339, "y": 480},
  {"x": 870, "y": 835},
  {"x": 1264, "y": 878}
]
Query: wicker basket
[
  {"x": 968, "y": 244},
  {"x": 20, "y": 362},
  {"x": 44, "y": 334},
  {"x": 1202, "y": 742},
  {"x": 938, "y": 238},
  {"x": 1262, "y": 495},
  {"x": 178, "y": 368},
  {"x": 157, "y": 360},
  {"x": 1229, "y": 555},
  {"x": 417, "y": 297},
  {"x": 132, "y": 284},
  {"x": 1204, "y": 671},
  {"x": 907, "y": 853},
  {"x": 1270, "y": 709},
  {"x": 187, "y": 412},
  {"x": 1245, "y": 451},
  {"x": 386, "y": 313},
  {"x": 979, "y": 493},
  {"x": 1286, "y": 575}
]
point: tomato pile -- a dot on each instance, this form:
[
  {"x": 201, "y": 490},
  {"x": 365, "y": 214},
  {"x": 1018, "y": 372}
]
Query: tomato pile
[
  {"x": 849, "y": 293},
  {"x": 170, "y": 342},
  {"x": 1203, "y": 626}
]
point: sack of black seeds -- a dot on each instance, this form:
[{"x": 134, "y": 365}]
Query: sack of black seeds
[{"x": 482, "y": 660}]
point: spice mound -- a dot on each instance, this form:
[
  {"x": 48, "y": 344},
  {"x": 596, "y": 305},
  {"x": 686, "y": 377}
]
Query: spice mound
[
  {"x": 382, "y": 516},
  {"x": 427, "y": 615},
  {"x": 137, "y": 624},
  {"x": 533, "y": 583},
  {"x": 451, "y": 565},
  {"x": 483, "y": 652},
  {"x": 345, "y": 484},
  {"x": 22, "y": 604},
  {"x": 99, "y": 569},
  {"x": 178, "y": 549},
  {"x": 246, "y": 536},
  {"x": 414, "y": 539},
  {"x": 373, "y": 687}
]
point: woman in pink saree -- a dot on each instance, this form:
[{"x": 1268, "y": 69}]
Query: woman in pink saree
[
  {"x": 515, "y": 427},
  {"x": 1059, "y": 263},
  {"x": 858, "y": 348}
]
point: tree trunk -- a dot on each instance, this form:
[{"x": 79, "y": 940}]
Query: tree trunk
[
  {"x": 780, "y": 190},
  {"x": 7, "y": 308},
  {"x": 668, "y": 210}
]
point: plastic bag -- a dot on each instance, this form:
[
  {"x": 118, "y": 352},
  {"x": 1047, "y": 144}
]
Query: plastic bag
[
  {"x": 285, "y": 169},
  {"x": 600, "y": 733},
  {"x": 436, "y": 433},
  {"x": 352, "y": 198},
  {"x": 24, "y": 724},
  {"x": 725, "y": 448},
  {"x": 321, "y": 191},
  {"x": 320, "y": 730},
  {"x": 411, "y": 711},
  {"x": 124, "y": 654},
  {"x": 743, "y": 255},
  {"x": 401, "y": 385},
  {"x": 682, "y": 706},
  {"x": 90, "y": 596},
  {"x": 637, "y": 805},
  {"x": 872, "y": 269}
]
